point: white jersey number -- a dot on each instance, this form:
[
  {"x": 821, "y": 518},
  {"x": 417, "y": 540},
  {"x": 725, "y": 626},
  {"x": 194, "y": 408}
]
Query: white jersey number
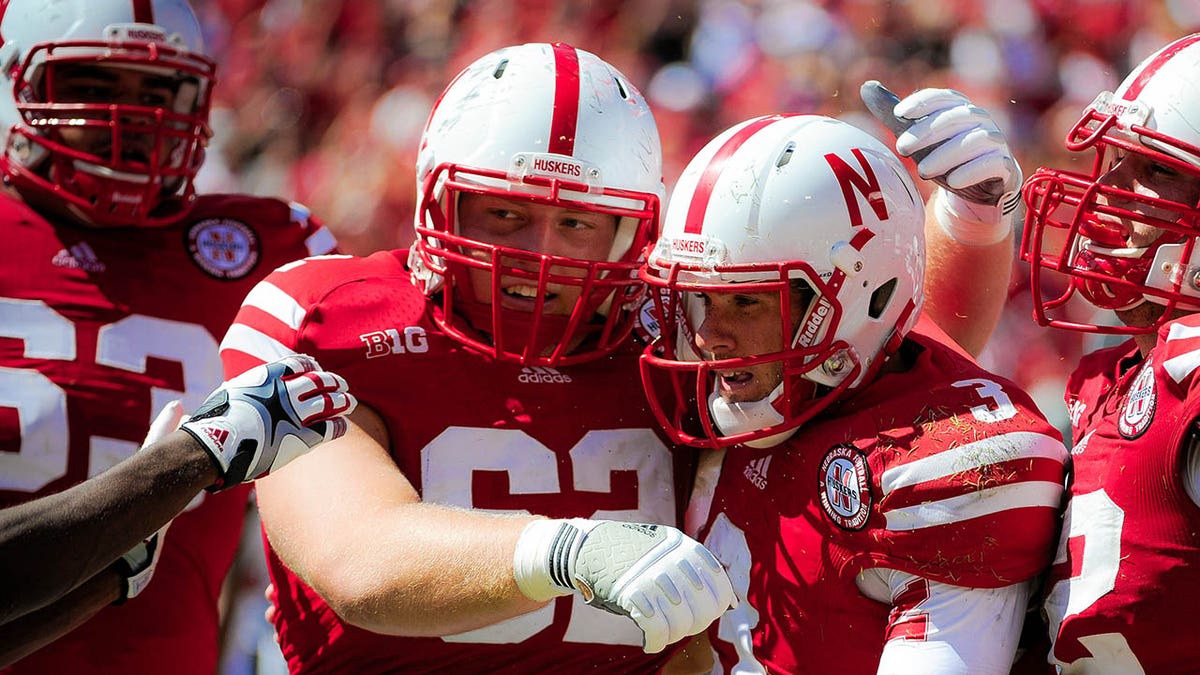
[
  {"x": 1095, "y": 517},
  {"x": 736, "y": 626},
  {"x": 999, "y": 407},
  {"x": 41, "y": 404},
  {"x": 450, "y": 461}
]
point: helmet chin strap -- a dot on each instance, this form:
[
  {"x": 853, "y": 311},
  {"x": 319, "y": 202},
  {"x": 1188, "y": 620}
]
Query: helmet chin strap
[{"x": 740, "y": 418}]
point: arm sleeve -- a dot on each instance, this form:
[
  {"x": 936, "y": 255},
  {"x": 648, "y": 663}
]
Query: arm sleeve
[{"x": 937, "y": 628}]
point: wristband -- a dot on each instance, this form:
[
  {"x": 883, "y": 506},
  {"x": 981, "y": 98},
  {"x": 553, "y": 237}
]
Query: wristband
[
  {"x": 973, "y": 224},
  {"x": 542, "y": 556}
]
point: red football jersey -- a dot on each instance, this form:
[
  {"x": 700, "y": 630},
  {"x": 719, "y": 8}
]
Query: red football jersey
[
  {"x": 471, "y": 432},
  {"x": 98, "y": 330},
  {"x": 944, "y": 471},
  {"x": 1124, "y": 580}
]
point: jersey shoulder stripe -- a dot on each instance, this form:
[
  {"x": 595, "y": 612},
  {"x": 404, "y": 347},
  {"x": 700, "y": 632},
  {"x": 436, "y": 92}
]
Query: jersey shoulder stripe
[
  {"x": 1013, "y": 471},
  {"x": 273, "y": 315},
  {"x": 1181, "y": 350}
]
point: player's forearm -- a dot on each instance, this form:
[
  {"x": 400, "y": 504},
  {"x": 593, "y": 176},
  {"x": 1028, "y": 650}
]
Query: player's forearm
[
  {"x": 441, "y": 571},
  {"x": 50, "y": 545},
  {"x": 29, "y": 633},
  {"x": 966, "y": 287}
]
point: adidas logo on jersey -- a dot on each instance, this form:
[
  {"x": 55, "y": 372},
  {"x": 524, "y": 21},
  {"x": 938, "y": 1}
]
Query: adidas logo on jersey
[
  {"x": 756, "y": 472},
  {"x": 78, "y": 257},
  {"x": 541, "y": 375}
]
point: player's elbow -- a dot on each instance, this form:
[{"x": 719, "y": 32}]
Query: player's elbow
[{"x": 380, "y": 605}]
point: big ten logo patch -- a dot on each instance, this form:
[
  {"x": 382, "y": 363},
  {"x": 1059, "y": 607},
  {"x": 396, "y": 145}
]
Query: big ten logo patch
[{"x": 391, "y": 341}]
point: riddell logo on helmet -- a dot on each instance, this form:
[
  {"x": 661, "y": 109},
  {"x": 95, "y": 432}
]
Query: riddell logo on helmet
[
  {"x": 815, "y": 320},
  {"x": 557, "y": 167},
  {"x": 541, "y": 375}
]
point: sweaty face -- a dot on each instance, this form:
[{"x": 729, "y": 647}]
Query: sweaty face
[
  {"x": 537, "y": 228},
  {"x": 92, "y": 84},
  {"x": 741, "y": 325}
]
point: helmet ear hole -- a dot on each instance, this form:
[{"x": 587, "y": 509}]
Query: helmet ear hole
[
  {"x": 881, "y": 298},
  {"x": 621, "y": 88}
]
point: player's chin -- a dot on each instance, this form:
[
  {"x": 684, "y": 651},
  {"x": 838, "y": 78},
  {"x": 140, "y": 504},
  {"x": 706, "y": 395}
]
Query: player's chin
[{"x": 1143, "y": 314}]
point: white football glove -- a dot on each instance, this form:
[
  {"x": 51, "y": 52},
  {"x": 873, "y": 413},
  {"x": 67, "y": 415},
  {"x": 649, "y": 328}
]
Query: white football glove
[
  {"x": 137, "y": 565},
  {"x": 669, "y": 584},
  {"x": 958, "y": 146},
  {"x": 269, "y": 415}
]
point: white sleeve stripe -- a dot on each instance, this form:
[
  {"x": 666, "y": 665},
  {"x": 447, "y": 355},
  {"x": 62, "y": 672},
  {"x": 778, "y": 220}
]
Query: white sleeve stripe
[
  {"x": 271, "y": 299},
  {"x": 973, "y": 505},
  {"x": 243, "y": 338},
  {"x": 992, "y": 450},
  {"x": 1180, "y": 367},
  {"x": 321, "y": 241},
  {"x": 1181, "y": 332}
]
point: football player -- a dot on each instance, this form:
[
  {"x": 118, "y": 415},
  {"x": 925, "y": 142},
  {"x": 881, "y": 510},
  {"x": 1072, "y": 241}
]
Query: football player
[
  {"x": 1124, "y": 233},
  {"x": 496, "y": 380},
  {"x": 248, "y": 427},
  {"x": 882, "y": 502},
  {"x": 115, "y": 289}
]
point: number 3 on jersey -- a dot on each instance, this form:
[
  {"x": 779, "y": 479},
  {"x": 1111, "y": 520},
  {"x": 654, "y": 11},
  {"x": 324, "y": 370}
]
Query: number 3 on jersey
[
  {"x": 41, "y": 404},
  {"x": 1000, "y": 406}
]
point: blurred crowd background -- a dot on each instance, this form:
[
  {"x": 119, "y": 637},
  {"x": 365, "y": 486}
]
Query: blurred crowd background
[{"x": 323, "y": 101}]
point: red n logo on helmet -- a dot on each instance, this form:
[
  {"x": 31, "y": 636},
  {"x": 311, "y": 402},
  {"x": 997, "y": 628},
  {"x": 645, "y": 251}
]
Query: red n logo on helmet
[{"x": 866, "y": 184}]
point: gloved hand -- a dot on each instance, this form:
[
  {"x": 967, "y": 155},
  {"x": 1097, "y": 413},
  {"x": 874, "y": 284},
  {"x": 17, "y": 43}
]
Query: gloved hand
[
  {"x": 958, "y": 146},
  {"x": 669, "y": 584},
  {"x": 137, "y": 565},
  {"x": 269, "y": 415}
]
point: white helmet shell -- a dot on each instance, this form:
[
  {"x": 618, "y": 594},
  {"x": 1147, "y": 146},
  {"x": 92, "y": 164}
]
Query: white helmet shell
[
  {"x": 798, "y": 197},
  {"x": 555, "y": 125}
]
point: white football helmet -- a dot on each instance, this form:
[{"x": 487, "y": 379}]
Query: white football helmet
[
  {"x": 118, "y": 187},
  {"x": 772, "y": 203},
  {"x": 1155, "y": 114},
  {"x": 550, "y": 124}
]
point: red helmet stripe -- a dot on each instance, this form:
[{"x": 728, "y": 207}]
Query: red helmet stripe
[
  {"x": 1169, "y": 52},
  {"x": 861, "y": 238},
  {"x": 143, "y": 11},
  {"x": 708, "y": 180},
  {"x": 566, "y": 100}
]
